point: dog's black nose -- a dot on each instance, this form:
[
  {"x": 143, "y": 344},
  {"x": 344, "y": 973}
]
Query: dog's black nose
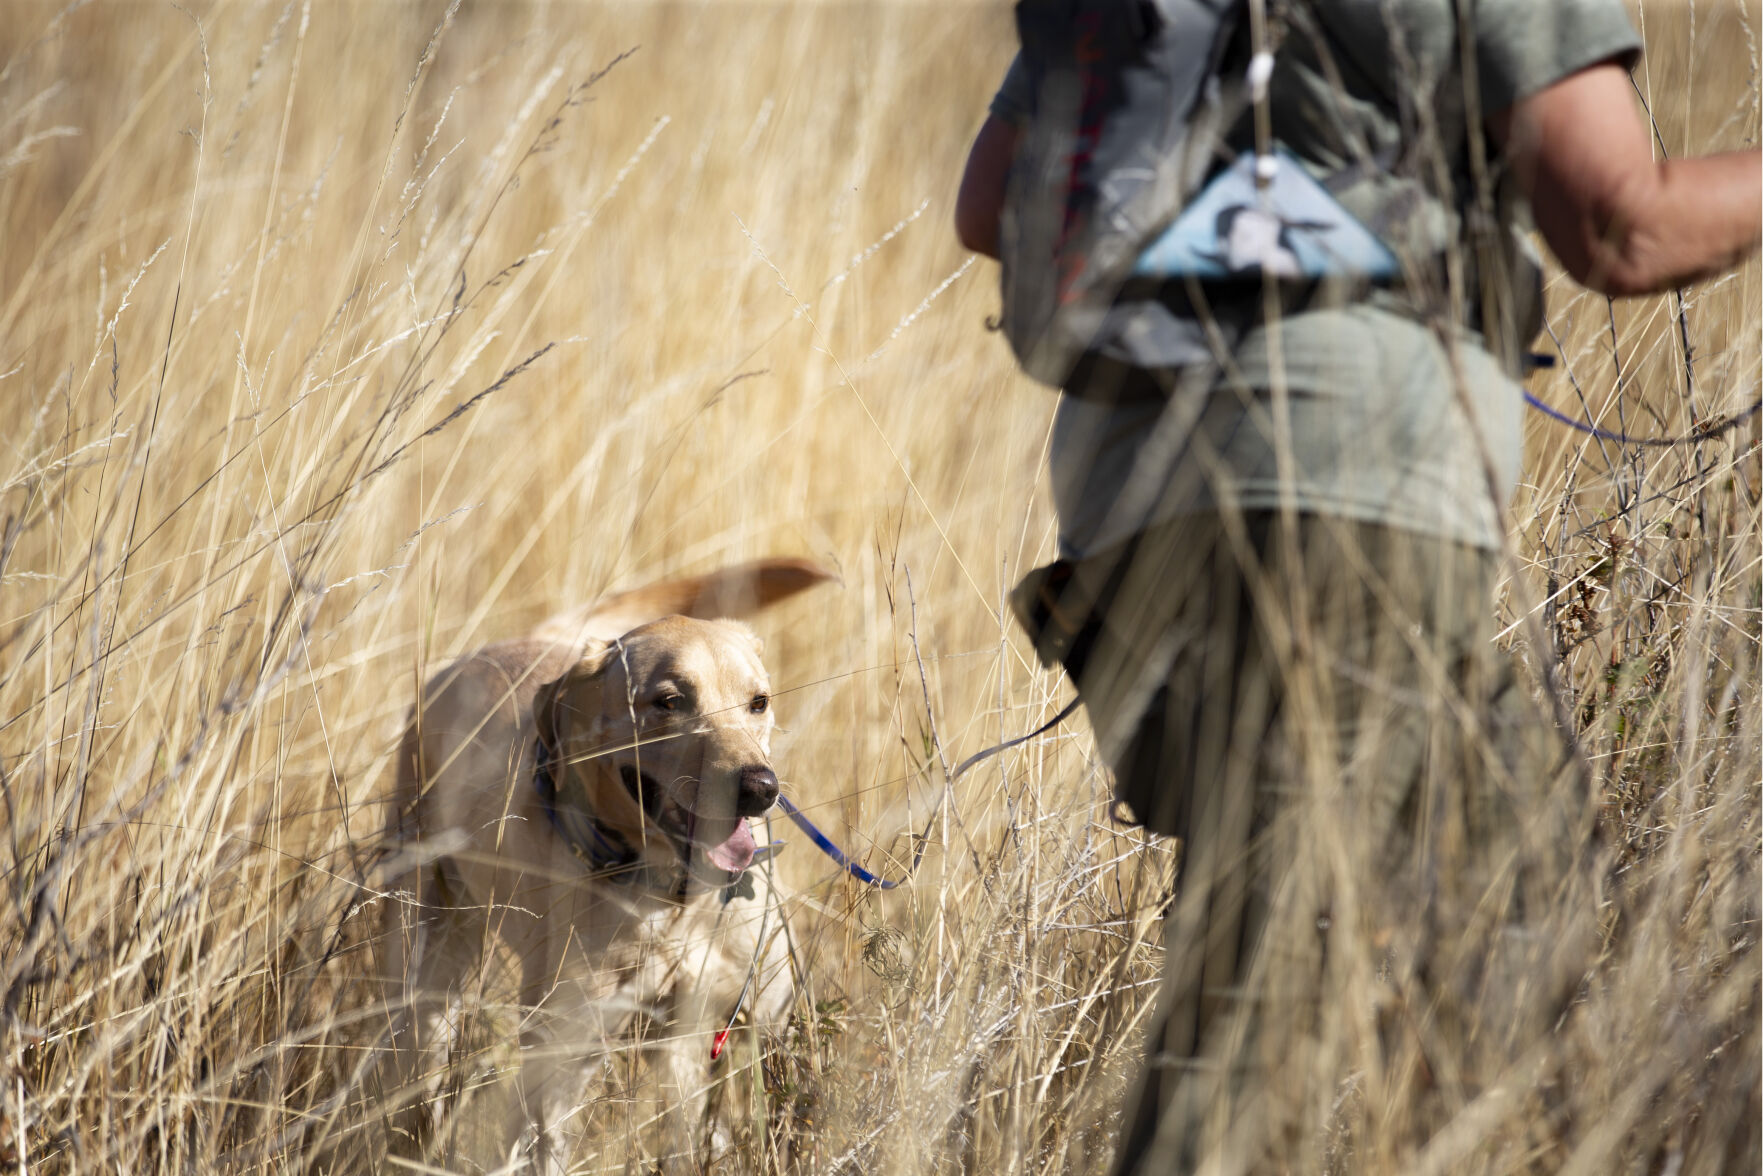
[{"x": 758, "y": 790}]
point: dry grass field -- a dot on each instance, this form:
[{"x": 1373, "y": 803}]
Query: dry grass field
[{"x": 336, "y": 339}]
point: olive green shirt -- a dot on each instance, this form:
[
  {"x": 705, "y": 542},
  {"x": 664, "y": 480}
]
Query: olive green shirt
[{"x": 1393, "y": 417}]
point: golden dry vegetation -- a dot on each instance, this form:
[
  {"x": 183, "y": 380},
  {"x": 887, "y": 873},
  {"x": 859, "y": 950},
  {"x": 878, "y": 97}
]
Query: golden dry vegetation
[{"x": 337, "y": 339}]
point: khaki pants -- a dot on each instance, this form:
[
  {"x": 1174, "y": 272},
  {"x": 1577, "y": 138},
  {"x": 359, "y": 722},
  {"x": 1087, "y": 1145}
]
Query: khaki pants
[{"x": 1378, "y": 832}]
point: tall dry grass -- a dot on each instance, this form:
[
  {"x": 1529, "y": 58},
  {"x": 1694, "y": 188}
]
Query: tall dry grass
[{"x": 335, "y": 340}]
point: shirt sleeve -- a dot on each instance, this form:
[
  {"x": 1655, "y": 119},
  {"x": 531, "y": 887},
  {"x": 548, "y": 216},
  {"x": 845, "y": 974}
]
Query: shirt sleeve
[
  {"x": 1523, "y": 46},
  {"x": 1014, "y": 102}
]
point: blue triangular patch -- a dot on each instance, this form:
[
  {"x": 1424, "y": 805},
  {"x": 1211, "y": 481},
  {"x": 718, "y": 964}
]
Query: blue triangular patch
[{"x": 1291, "y": 228}]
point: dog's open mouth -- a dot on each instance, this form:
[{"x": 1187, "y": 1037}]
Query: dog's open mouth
[
  {"x": 727, "y": 848},
  {"x": 733, "y": 853}
]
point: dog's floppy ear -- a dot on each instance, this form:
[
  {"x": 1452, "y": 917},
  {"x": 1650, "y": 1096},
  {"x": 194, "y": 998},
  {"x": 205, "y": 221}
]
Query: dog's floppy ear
[
  {"x": 743, "y": 590},
  {"x": 558, "y": 700}
]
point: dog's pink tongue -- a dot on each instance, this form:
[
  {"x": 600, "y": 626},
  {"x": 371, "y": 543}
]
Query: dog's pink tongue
[{"x": 735, "y": 854}]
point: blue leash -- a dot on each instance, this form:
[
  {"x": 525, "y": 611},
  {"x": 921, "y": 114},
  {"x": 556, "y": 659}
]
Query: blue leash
[
  {"x": 831, "y": 850},
  {"x": 843, "y": 859},
  {"x": 1707, "y": 432}
]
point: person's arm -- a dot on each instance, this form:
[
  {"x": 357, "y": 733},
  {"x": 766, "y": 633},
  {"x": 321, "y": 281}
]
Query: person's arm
[
  {"x": 980, "y": 200},
  {"x": 1621, "y": 222}
]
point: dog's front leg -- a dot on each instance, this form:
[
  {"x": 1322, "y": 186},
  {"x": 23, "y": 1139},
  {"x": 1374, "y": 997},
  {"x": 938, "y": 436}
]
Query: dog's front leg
[
  {"x": 432, "y": 952},
  {"x": 680, "y": 1061},
  {"x": 684, "y": 1081},
  {"x": 564, "y": 1042}
]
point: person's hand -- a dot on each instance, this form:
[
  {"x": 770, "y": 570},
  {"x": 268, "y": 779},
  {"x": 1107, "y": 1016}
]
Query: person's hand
[{"x": 980, "y": 201}]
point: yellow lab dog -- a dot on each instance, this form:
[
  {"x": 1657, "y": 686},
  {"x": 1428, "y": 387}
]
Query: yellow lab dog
[{"x": 583, "y": 794}]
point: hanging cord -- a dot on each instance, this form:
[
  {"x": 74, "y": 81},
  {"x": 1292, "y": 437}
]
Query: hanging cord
[
  {"x": 721, "y": 1038},
  {"x": 832, "y": 850}
]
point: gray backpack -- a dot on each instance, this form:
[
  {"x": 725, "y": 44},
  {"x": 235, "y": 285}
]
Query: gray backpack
[{"x": 1128, "y": 108}]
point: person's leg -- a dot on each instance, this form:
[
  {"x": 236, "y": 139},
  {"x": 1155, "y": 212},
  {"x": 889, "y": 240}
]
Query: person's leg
[
  {"x": 1422, "y": 923},
  {"x": 1181, "y": 695},
  {"x": 1322, "y": 731},
  {"x": 1271, "y": 700}
]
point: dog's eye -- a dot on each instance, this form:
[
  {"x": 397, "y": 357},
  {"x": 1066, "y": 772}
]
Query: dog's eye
[
  {"x": 759, "y": 704},
  {"x": 669, "y": 702}
]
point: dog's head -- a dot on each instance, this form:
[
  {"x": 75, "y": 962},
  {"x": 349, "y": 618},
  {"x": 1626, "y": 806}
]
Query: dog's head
[{"x": 667, "y": 731}]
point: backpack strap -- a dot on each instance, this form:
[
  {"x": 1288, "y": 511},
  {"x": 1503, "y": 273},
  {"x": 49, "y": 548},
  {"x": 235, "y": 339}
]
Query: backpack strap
[{"x": 1127, "y": 118}]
